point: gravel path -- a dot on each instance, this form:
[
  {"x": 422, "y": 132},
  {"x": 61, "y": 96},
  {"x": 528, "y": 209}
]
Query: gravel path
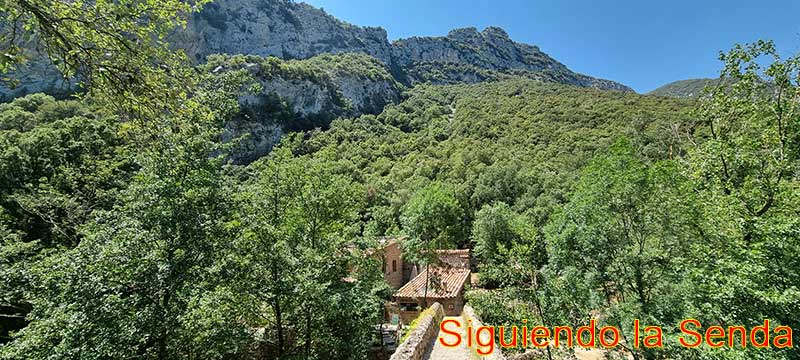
[{"x": 441, "y": 352}]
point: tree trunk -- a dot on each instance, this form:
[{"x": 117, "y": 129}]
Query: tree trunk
[{"x": 276, "y": 305}]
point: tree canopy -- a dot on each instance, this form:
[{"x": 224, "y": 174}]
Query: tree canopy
[{"x": 127, "y": 230}]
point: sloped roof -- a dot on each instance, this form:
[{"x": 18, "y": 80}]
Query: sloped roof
[
  {"x": 445, "y": 282},
  {"x": 454, "y": 258}
]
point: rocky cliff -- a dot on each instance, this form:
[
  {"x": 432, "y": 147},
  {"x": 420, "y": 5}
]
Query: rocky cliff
[
  {"x": 296, "y": 95},
  {"x": 466, "y": 55},
  {"x": 290, "y": 30},
  {"x": 280, "y": 28},
  {"x": 35, "y": 76}
]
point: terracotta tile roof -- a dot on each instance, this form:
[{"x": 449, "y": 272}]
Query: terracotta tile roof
[
  {"x": 454, "y": 258},
  {"x": 460, "y": 252},
  {"x": 445, "y": 282}
]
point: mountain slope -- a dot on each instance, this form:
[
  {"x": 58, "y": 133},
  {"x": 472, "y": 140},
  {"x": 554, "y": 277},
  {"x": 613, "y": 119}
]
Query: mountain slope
[
  {"x": 290, "y": 30},
  {"x": 689, "y": 88},
  {"x": 466, "y": 55},
  {"x": 520, "y": 141}
]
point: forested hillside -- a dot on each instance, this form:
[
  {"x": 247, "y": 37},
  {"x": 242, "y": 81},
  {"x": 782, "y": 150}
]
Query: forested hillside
[
  {"x": 233, "y": 209},
  {"x": 690, "y": 88},
  {"x": 521, "y": 142}
]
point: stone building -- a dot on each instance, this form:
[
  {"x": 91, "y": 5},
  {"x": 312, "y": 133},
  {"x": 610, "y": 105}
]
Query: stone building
[
  {"x": 445, "y": 281},
  {"x": 445, "y": 285},
  {"x": 396, "y": 271}
]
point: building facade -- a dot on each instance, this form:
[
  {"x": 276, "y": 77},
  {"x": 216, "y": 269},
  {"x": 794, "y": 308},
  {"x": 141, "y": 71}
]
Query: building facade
[{"x": 418, "y": 287}]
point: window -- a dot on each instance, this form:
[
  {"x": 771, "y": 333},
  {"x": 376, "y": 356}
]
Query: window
[{"x": 394, "y": 265}]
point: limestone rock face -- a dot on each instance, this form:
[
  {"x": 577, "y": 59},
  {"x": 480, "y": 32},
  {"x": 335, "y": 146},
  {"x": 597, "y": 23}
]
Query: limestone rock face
[
  {"x": 490, "y": 49},
  {"x": 299, "y": 95},
  {"x": 466, "y": 55},
  {"x": 37, "y": 75},
  {"x": 280, "y": 28},
  {"x": 290, "y": 30}
]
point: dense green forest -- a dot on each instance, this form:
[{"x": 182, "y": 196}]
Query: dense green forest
[
  {"x": 690, "y": 88},
  {"x": 521, "y": 142},
  {"x": 127, "y": 231}
]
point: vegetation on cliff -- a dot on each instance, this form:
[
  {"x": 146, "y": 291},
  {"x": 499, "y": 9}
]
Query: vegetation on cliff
[{"x": 126, "y": 231}]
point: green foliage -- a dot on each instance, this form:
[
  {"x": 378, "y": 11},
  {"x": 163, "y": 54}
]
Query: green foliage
[
  {"x": 116, "y": 48},
  {"x": 124, "y": 239},
  {"x": 494, "y": 231},
  {"x": 433, "y": 219},
  {"x": 502, "y": 239},
  {"x": 60, "y": 161},
  {"x": 521, "y": 142},
  {"x": 317, "y": 69},
  {"x": 298, "y": 252},
  {"x": 621, "y": 240},
  {"x": 142, "y": 267},
  {"x": 138, "y": 239},
  {"x": 690, "y": 88},
  {"x": 710, "y": 234},
  {"x": 747, "y": 181}
]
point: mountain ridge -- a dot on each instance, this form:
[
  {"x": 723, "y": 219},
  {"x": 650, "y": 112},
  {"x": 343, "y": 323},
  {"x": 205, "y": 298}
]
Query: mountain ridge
[
  {"x": 294, "y": 30},
  {"x": 686, "y": 88},
  {"x": 298, "y": 30}
]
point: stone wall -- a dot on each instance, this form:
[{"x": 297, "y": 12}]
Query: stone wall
[
  {"x": 394, "y": 265},
  {"x": 469, "y": 314},
  {"x": 453, "y": 306},
  {"x": 421, "y": 337}
]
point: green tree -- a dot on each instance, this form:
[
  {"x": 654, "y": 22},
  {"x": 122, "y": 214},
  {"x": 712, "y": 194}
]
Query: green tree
[
  {"x": 117, "y": 49},
  {"x": 433, "y": 219},
  {"x": 123, "y": 257},
  {"x": 299, "y": 257},
  {"x": 746, "y": 178},
  {"x": 60, "y": 160},
  {"x": 620, "y": 241},
  {"x": 494, "y": 232},
  {"x": 145, "y": 270}
]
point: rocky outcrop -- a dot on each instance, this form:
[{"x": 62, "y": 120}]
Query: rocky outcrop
[
  {"x": 491, "y": 49},
  {"x": 35, "y": 76},
  {"x": 280, "y": 28},
  {"x": 300, "y": 95},
  {"x": 466, "y": 55},
  {"x": 290, "y": 30}
]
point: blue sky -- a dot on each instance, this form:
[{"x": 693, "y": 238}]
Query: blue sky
[{"x": 641, "y": 43}]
